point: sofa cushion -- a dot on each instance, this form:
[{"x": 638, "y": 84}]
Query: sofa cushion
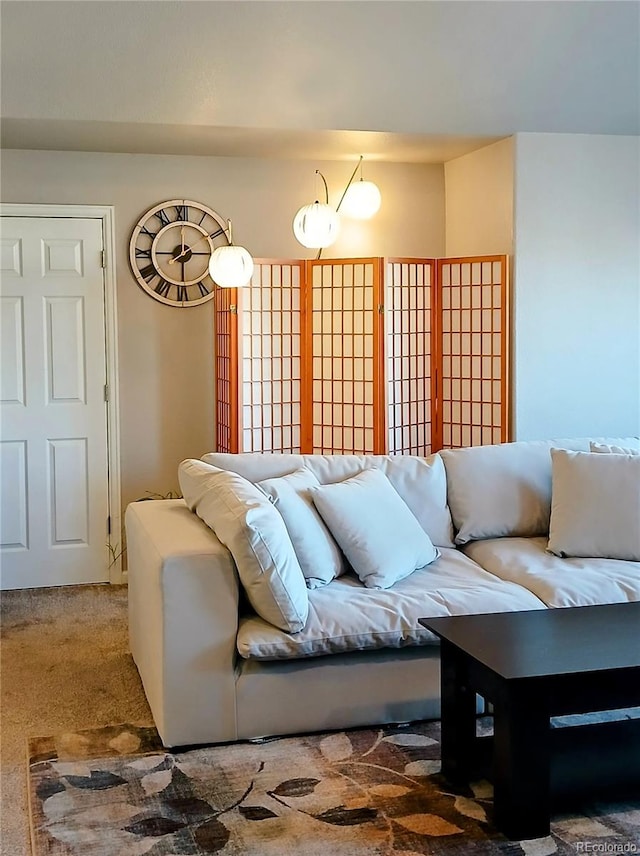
[
  {"x": 613, "y": 449},
  {"x": 502, "y": 490},
  {"x": 255, "y": 466},
  {"x": 556, "y": 581},
  {"x": 346, "y": 616},
  {"x": 595, "y": 506},
  {"x": 248, "y": 524},
  {"x": 375, "y": 528},
  {"x": 421, "y": 482},
  {"x": 320, "y": 557}
]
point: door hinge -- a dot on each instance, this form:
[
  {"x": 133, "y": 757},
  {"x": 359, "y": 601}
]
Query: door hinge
[
  {"x": 103, "y": 261},
  {"x": 109, "y": 525},
  {"x": 106, "y": 392},
  {"x": 380, "y": 308}
]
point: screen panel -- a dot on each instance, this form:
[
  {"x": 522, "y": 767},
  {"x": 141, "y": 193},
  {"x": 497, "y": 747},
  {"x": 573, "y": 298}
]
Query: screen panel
[
  {"x": 270, "y": 363},
  {"x": 474, "y": 342},
  {"x": 226, "y": 338},
  {"x": 409, "y": 354},
  {"x": 343, "y": 412}
]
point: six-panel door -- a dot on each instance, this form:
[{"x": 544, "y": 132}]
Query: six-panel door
[{"x": 53, "y": 449}]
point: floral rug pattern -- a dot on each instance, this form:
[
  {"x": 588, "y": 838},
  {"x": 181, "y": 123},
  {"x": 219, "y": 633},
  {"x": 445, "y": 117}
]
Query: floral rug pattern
[{"x": 116, "y": 791}]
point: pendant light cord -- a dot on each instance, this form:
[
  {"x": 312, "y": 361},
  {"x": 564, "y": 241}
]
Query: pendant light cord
[
  {"x": 344, "y": 192},
  {"x": 349, "y": 183},
  {"x": 326, "y": 189}
]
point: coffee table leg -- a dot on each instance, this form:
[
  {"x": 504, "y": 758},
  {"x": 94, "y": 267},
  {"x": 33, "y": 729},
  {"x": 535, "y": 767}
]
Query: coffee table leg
[
  {"x": 458, "y": 715},
  {"x": 521, "y": 763}
]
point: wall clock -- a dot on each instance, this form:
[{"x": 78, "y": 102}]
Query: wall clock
[{"x": 170, "y": 248}]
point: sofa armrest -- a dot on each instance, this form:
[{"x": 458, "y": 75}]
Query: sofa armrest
[{"x": 183, "y": 621}]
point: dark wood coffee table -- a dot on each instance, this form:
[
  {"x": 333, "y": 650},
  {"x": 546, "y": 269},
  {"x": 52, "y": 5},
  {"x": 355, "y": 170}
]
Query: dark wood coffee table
[{"x": 533, "y": 665}]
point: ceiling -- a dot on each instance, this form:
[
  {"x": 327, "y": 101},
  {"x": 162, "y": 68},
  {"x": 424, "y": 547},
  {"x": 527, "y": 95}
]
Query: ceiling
[{"x": 418, "y": 81}]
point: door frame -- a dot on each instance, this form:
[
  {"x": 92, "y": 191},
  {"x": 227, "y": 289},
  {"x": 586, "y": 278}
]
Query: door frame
[{"x": 106, "y": 214}]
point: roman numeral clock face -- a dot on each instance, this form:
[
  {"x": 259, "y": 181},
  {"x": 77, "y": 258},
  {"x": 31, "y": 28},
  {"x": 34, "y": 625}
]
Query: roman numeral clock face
[{"x": 170, "y": 249}]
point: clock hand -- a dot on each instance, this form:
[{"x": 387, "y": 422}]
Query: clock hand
[
  {"x": 178, "y": 258},
  {"x": 195, "y": 244}
]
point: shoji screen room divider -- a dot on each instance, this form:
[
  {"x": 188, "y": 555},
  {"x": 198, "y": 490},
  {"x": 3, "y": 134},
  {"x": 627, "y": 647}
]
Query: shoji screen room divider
[
  {"x": 362, "y": 356},
  {"x": 258, "y": 360}
]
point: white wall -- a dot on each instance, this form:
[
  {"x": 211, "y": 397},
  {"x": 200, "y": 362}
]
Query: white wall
[
  {"x": 166, "y": 353},
  {"x": 577, "y": 286},
  {"x": 577, "y": 360},
  {"x": 479, "y": 201}
]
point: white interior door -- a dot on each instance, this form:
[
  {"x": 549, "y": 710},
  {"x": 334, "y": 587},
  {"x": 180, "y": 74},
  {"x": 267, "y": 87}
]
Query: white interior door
[{"x": 53, "y": 445}]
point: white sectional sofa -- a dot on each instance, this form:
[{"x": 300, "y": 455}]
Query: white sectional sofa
[{"x": 215, "y": 671}]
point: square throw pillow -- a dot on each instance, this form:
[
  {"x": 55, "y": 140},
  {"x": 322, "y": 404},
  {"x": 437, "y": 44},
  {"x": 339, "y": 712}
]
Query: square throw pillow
[
  {"x": 421, "y": 483},
  {"x": 320, "y": 557},
  {"x": 378, "y": 533},
  {"x": 595, "y": 505},
  {"x": 249, "y": 525}
]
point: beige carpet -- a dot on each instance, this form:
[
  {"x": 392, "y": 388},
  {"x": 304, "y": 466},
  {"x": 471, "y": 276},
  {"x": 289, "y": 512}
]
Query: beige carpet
[{"x": 64, "y": 664}]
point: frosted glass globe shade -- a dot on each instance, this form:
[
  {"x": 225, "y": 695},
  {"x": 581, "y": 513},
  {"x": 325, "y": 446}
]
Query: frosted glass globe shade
[
  {"x": 361, "y": 201},
  {"x": 316, "y": 226},
  {"x": 231, "y": 267}
]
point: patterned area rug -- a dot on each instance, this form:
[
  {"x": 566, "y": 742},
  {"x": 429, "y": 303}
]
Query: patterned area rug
[{"x": 117, "y": 792}]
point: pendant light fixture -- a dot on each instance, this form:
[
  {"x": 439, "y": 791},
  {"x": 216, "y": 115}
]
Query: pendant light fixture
[
  {"x": 361, "y": 200},
  {"x": 231, "y": 266},
  {"x": 317, "y": 225}
]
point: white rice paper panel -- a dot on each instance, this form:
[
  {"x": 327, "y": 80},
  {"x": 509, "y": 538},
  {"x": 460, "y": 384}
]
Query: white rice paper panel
[
  {"x": 342, "y": 360},
  {"x": 473, "y": 357},
  {"x": 408, "y": 319},
  {"x": 270, "y": 363},
  {"x": 225, "y": 382}
]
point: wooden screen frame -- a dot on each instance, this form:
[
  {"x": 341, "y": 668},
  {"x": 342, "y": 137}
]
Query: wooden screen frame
[
  {"x": 379, "y": 428},
  {"x": 229, "y": 301},
  {"x": 226, "y": 303},
  {"x": 433, "y": 367},
  {"x": 505, "y": 333},
  {"x": 244, "y": 293}
]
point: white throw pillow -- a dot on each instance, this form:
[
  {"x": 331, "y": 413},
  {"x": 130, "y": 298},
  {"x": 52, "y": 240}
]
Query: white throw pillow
[
  {"x": 320, "y": 557},
  {"x": 421, "y": 483},
  {"x": 606, "y": 449},
  {"x": 248, "y": 524},
  {"x": 377, "y": 531},
  {"x": 595, "y": 505}
]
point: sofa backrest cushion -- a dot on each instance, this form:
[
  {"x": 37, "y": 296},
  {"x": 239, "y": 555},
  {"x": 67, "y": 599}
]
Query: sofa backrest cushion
[
  {"x": 247, "y": 523},
  {"x": 421, "y": 482},
  {"x": 502, "y": 490},
  {"x": 255, "y": 466},
  {"x": 613, "y": 449},
  {"x": 320, "y": 557}
]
